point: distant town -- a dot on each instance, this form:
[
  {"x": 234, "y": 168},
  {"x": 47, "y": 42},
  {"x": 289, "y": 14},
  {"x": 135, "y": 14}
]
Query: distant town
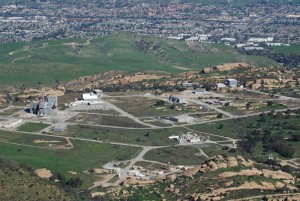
[{"x": 245, "y": 27}]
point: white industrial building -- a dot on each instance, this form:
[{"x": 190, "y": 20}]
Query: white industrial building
[
  {"x": 231, "y": 82},
  {"x": 253, "y": 48},
  {"x": 199, "y": 91},
  {"x": 174, "y": 137},
  {"x": 10, "y": 123},
  {"x": 175, "y": 37},
  {"x": 193, "y": 38},
  {"x": 136, "y": 173},
  {"x": 260, "y": 40},
  {"x": 220, "y": 85},
  {"x": 98, "y": 92},
  {"x": 89, "y": 97},
  {"x": 194, "y": 140},
  {"x": 277, "y": 44},
  {"x": 228, "y": 39}
]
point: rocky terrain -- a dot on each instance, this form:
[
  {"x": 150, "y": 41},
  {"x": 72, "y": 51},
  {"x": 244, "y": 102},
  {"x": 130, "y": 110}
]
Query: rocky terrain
[
  {"x": 218, "y": 178},
  {"x": 110, "y": 78}
]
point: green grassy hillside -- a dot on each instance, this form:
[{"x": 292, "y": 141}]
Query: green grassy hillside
[
  {"x": 18, "y": 183},
  {"x": 45, "y": 62}
]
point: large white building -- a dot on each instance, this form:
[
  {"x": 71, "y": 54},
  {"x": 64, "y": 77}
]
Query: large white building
[
  {"x": 260, "y": 40},
  {"x": 89, "y": 97}
]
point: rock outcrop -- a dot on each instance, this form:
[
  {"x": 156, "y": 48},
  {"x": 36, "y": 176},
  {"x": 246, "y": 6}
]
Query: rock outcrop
[
  {"x": 219, "y": 162},
  {"x": 107, "y": 79}
]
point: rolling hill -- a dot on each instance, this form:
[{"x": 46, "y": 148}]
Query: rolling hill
[
  {"x": 20, "y": 183},
  {"x": 44, "y": 63}
]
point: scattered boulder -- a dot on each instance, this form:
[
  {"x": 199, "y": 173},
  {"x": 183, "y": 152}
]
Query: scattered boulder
[
  {"x": 97, "y": 194},
  {"x": 207, "y": 70},
  {"x": 232, "y": 162},
  {"x": 222, "y": 165},
  {"x": 243, "y": 161},
  {"x": 160, "y": 177},
  {"x": 124, "y": 192},
  {"x": 192, "y": 171},
  {"x": 213, "y": 166},
  {"x": 279, "y": 185},
  {"x": 43, "y": 173},
  {"x": 227, "y": 184},
  {"x": 172, "y": 177}
]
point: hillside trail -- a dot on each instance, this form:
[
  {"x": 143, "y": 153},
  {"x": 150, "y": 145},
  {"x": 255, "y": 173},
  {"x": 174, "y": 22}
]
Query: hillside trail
[{"x": 27, "y": 49}]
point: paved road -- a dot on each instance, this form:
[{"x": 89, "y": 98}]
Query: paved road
[
  {"x": 210, "y": 107},
  {"x": 140, "y": 157},
  {"x": 281, "y": 97},
  {"x": 122, "y": 112},
  {"x": 172, "y": 126}
]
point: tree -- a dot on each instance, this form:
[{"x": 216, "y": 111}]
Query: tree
[
  {"x": 248, "y": 105},
  {"x": 160, "y": 103},
  {"x": 271, "y": 113},
  {"x": 295, "y": 138},
  {"x": 74, "y": 182},
  {"x": 220, "y": 126},
  {"x": 263, "y": 117},
  {"x": 226, "y": 104},
  {"x": 270, "y": 103}
]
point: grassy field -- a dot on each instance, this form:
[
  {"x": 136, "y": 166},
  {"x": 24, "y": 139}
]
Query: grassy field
[
  {"x": 283, "y": 127},
  {"x": 135, "y": 105},
  {"x": 31, "y": 140},
  {"x": 34, "y": 151},
  {"x": 237, "y": 111},
  {"x": 230, "y": 128},
  {"x": 179, "y": 155},
  {"x": 142, "y": 137},
  {"x": 294, "y": 49},
  {"x": 50, "y": 60},
  {"x": 96, "y": 119},
  {"x": 32, "y": 127},
  {"x": 150, "y": 166},
  {"x": 84, "y": 155}
]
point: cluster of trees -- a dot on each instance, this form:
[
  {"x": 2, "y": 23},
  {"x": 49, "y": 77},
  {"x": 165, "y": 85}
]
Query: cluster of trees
[
  {"x": 288, "y": 60},
  {"x": 278, "y": 145},
  {"x": 263, "y": 132}
]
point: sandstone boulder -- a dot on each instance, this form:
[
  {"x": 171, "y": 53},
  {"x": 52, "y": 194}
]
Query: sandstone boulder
[
  {"x": 207, "y": 70},
  {"x": 222, "y": 165},
  {"x": 192, "y": 171},
  {"x": 227, "y": 184},
  {"x": 277, "y": 174},
  {"x": 172, "y": 177},
  {"x": 213, "y": 166},
  {"x": 232, "y": 162}
]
